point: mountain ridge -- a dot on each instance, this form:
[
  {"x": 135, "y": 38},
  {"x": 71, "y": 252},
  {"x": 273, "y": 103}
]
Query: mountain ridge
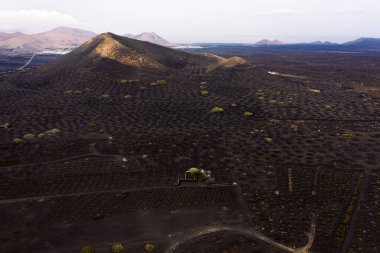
[
  {"x": 150, "y": 37},
  {"x": 364, "y": 41},
  {"x": 266, "y": 42},
  {"x": 6, "y": 36},
  {"x": 57, "y": 38}
]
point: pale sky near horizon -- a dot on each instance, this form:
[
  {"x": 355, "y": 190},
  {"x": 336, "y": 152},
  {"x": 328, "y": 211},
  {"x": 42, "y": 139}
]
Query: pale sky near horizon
[{"x": 189, "y": 21}]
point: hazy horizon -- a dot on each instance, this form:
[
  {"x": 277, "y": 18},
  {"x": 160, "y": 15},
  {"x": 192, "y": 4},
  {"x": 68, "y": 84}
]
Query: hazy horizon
[{"x": 240, "y": 21}]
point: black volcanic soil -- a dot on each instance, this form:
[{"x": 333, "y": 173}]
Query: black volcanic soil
[
  {"x": 350, "y": 67},
  {"x": 307, "y": 156}
]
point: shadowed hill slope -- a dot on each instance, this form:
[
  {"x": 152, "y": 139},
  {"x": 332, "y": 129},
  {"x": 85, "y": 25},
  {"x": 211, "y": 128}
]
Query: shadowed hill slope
[
  {"x": 108, "y": 47},
  {"x": 127, "y": 58},
  {"x": 121, "y": 58}
]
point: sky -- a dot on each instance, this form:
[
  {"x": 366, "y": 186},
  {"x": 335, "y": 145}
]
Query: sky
[{"x": 179, "y": 21}]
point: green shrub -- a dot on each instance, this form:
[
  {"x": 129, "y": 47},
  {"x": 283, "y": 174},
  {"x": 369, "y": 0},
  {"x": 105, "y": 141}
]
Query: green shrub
[
  {"x": 98, "y": 216},
  {"x": 217, "y": 109},
  {"x": 199, "y": 175},
  {"x": 192, "y": 170},
  {"x": 267, "y": 139},
  {"x": 17, "y": 140},
  {"x": 117, "y": 248},
  {"x": 204, "y": 92},
  {"x": 149, "y": 247},
  {"x": 248, "y": 114},
  {"x": 77, "y": 92},
  {"x": 87, "y": 249},
  {"x": 105, "y": 96},
  {"x": 203, "y": 83},
  {"x": 161, "y": 82},
  {"x": 209, "y": 69},
  {"x": 68, "y": 92},
  {"x": 329, "y": 106},
  {"x": 346, "y": 135},
  {"x": 256, "y": 131},
  {"x": 28, "y": 136},
  {"x": 5, "y": 125}
]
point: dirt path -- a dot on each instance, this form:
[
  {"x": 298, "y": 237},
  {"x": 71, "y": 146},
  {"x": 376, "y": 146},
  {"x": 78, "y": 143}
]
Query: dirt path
[
  {"x": 250, "y": 233},
  {"x": 27, "y": 63},
  {"x": 306, "y": 248},
  {"x": 350, "y": 232},
  {"x": 245, "y": 231},
  {"x": 286, "y": 75}
]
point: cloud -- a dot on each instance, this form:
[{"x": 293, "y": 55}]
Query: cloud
[
  {"x": 350, "y": 10},
  {"x": 33, "y": 21},
  {"x": 278, "y": 12}
]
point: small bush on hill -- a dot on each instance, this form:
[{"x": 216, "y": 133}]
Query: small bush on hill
[
  {"x": 217, "y": 109},
  {"x": 117, "y": 248},
  {"x": 87, "y": 249},
  {"x": 161, "y": 82},
  {"x": 267, "y": 139},
  {"x": 149, "y": 247},
  {"x": 17, "y": 140},
  {"x": 105, "y": 96}
]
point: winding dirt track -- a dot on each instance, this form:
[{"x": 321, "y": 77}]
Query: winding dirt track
[
  {"x": 250, "y": 233},
  {"x": 245, "y": 231},
  {"x": 27, "y": 63},
  {"x": 306, "y": 248}
]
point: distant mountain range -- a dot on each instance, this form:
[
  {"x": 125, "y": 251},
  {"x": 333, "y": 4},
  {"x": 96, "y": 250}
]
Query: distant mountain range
[
  {"x": 66, "y": 39},
  {"x": 60, "y": 38},
  {"x": 369, "y": 43},
  {"x": 150, "y": 37},
  {"x": 266, "y": 42},
  {"x": 364, "y": 42},
  {"x": 7, "y": 36}
]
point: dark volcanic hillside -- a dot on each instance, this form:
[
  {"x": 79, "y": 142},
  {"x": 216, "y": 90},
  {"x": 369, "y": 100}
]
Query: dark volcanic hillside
[
  {"x": 124, "y": 58},
  {"x": 138, "y": 54}
]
